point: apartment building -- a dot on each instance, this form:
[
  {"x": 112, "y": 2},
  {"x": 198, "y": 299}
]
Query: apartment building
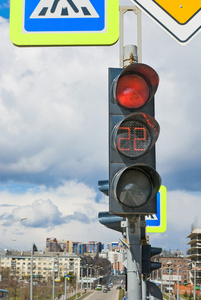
[
  {"x": 44, "y": 264},
  {"x": 116, "y": 254},
  {"x": 174, "y": 267},
  {"x": 92, "y": 247},
  {"x": 194, "y": 255}
]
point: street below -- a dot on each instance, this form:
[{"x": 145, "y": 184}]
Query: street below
[{"x": 99, "y": 295}]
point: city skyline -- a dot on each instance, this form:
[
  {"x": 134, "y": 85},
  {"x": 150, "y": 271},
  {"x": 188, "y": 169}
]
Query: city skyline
[{"x": 54, "y": 136}]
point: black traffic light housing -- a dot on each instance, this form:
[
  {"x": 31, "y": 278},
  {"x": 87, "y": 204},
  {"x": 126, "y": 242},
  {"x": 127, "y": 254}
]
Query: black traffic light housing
[
  {"x": 147, "y": 253},
  {"x": 133, "y": 131},
  {"x": 110, "y": 221}
]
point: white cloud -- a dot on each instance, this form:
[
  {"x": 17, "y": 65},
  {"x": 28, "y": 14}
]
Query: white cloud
[
  {"x": 53, "y": 133},
  {"x": 68, "y": 211}
]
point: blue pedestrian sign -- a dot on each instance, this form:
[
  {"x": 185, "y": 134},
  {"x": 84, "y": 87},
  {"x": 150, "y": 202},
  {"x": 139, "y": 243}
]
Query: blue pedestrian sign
[
  {"x": 158, "y": 222},
  {"x": 64, "y": 22}
]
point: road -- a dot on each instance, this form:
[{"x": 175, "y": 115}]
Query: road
[{"x": 99, "y": 295}]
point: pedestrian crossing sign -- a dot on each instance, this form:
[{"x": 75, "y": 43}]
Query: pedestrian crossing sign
[
  {"x": 158, "y": 222},
  {"x": 64, "y": 22}
]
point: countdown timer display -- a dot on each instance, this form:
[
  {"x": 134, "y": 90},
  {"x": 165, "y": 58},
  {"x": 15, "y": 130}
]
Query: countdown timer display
[{"x": 133, "y": 139}]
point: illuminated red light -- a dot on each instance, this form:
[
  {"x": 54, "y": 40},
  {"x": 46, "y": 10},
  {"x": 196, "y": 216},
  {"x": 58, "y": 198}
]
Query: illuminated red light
[{"x": 132, "y": 91}]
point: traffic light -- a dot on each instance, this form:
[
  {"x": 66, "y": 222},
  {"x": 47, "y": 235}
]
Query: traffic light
[
  {"x": 147, "y": 265},
  {"x": 133, "y": 131}
]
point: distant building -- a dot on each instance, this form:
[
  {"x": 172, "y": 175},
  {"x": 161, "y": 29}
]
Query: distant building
[
  {"x": 194, "y": 255},
  {"x": 174, "y": 266},
  {"x": 94, "y": 247},
  {"x": 52, "y": 245},
  {"x": 43, "y": 264},
  {"x": 116, "y": 254},
  {"x": 113, "y": 245}
]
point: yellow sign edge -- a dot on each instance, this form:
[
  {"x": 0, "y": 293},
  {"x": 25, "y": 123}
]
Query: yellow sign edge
[{"x": 163, "y": 199}]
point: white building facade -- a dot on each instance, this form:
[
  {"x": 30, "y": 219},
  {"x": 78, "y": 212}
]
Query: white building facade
[{"x": 43, "y": 264}]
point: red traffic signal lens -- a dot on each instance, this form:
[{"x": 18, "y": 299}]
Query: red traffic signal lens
[
  {"x": 132, "y": 91},
  {"x": 133, "y": 139}
]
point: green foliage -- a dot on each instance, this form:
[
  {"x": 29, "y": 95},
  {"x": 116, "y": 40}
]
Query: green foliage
[{"x": 35, "y": 249}]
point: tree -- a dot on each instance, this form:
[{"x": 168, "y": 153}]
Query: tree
[{"x": 35, "y": 249}]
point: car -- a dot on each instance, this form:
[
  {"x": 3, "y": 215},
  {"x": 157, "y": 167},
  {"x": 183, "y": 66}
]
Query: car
[
  {"x": 118, "y": 287},
  {"x": 99, "y": 287},
  {"x": 104, "y": 290},
  {"x": 110, "y": 285}
]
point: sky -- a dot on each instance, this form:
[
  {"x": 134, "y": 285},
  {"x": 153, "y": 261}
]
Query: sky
[{"x": 54, "y": 136}]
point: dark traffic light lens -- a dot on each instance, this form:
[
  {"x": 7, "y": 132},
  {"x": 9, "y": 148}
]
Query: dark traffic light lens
[
  {"x": 133, "y": 139},
  {"x": 134, "y": 188},
  {"x": 132, "y": 91}
]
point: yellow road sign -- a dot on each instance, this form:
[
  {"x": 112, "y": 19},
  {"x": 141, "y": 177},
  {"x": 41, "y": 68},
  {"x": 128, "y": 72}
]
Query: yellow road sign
[
  {"x": 182, "y": 11},
  {"x": 179, "y": 18}
]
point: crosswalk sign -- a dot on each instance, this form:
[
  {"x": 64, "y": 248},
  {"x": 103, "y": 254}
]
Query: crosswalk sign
[
  {"x": 64, "y": 22},
  {"x": 158, "y": 222}
]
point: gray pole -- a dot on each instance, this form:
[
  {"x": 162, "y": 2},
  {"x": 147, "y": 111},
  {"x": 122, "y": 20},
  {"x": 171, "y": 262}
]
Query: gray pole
[
  {"x": 65, "y": 288},
  {"x": 161, "y": 280},
  {"x": 194, "y": 296},
  {"x": 133, "y": 234},
  {"x": 169, "y": 282},
  {"x": 53, "y": 288},
  {"x": 76, "y": 274},
  {"x": 66, "y": 283},
  {"x": 87, "y": 275},
  {"x": 90, "y": 275},
  {"x": 81, "y": 279},
  {"x": 144, "y": 287},
  {"x": 178, "y": 283},
  {"x": 31, "y": 287}
]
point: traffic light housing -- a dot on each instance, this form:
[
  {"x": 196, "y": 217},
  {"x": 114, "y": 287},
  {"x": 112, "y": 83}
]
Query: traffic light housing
[
  {"x": 110, "y": 221},
  {"x": 147, "y": 265},
  {"x": 133, "y": 131}
]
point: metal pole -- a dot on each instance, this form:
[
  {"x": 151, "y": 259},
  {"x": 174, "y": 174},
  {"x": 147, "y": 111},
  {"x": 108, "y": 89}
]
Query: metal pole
[
  {"x": 133, "y": 234},
  {"x": 121, "y": 36},
  {"x": 139, "y": 34},
  {"x": 122, "y": 11},
  {"x": 76, "y": 274},
  {"x": 66, "y": 282},
  {"x": 31, "y": 287},
  {"x": 90, "y": 275},
  {"x": 178, "y": 283},
  {"x": 144, "y": 287},
  {"x": 65, "y": 288},
  {"x": 87, "y": 275},
  {"x": 161, "y": 280},
  {"x": 81, "y": 279},
  {"x": 169, "y": 283},
  {"x": 194, "y": 296},
  {"x": 53, "y": 288}
]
